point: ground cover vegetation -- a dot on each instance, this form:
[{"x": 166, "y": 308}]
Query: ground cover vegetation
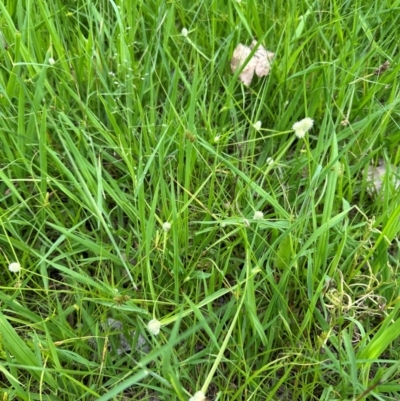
[{"x": 169, "y": 233}]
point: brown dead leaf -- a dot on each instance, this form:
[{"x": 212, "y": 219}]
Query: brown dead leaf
[
  {"x": 239, "y": 56},
  {"x": 376, "y": 177},
  {"x": 260, "y": 63},
  {"x": 264, "y": 59},
  {"x": 382, "y": 68}
]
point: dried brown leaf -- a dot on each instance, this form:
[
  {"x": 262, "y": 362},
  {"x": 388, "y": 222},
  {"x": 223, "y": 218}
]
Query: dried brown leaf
[
  {"x": 264, "y": 59},
  {"x": 376, "y": 176},
  {"x": 382, "y": 68},
  {"x": 260, "y": 63},
  {"x": 239, "y": 57}
]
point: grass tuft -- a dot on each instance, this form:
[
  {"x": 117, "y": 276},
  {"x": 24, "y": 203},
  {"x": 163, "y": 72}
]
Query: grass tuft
[{"x": 141, "y": 182}]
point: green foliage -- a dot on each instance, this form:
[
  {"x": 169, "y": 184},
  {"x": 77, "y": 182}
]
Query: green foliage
[{"x": 113, "y": 123}]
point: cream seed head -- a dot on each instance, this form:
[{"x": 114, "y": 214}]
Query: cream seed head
[
  {"x": 184, "y": 32},
  {"x": 198, "y": 396},
  {"x": 257, "y": 125},
  {"x": 154, "y": 326},
  {"x": 339, "y": 168},
  {"x": 302, "y": 127},
  {"x": 270, "y": 161},
  {"x": 258, "y": 215},
  {"x": 52, "y": 61},
  {"x": 14, "y": 267},
  {"x": 166, "y": 226}
]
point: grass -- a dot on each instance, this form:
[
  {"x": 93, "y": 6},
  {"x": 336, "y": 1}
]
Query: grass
[{"x": 134, "y": 125}]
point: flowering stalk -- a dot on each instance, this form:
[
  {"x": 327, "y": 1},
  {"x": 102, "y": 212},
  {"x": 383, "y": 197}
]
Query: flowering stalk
[{"x": 302, "y": 127}]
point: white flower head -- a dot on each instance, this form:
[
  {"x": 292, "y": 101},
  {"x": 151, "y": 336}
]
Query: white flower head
[
  {"x": 198, "y": 396},
  {"x": 166, "y": 226},
  {"x": 14, "y": 267},
  {"x": 302, "y": 127},
  {"x": 258, "y": 215},
  {"x": 217, "y": 138},
  {"x": 52, "y": 61},
  {"x": 270, "y": 161},
  {"x": 184, "y": 32},
  {"x": 257, "y": 125},
  {"x": 154, "y": 326}
]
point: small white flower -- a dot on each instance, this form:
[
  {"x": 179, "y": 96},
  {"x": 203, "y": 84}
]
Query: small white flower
[
  {"x": 14, "y": 267},
  {"x": 217, "y": 138},
  {"x": 302, "y": 127},
  {"x": 184, "y": 32},
  {"x": 166, "y": 226},
  {"x": 257, "y": 125},
  {"x": 52, "y": 61},
  {"x": 198, "y": 396},
  {"x": 258, "y": 215},
  {"x": 270, "y": 161},
  {"x": 154, "y": 326}
]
